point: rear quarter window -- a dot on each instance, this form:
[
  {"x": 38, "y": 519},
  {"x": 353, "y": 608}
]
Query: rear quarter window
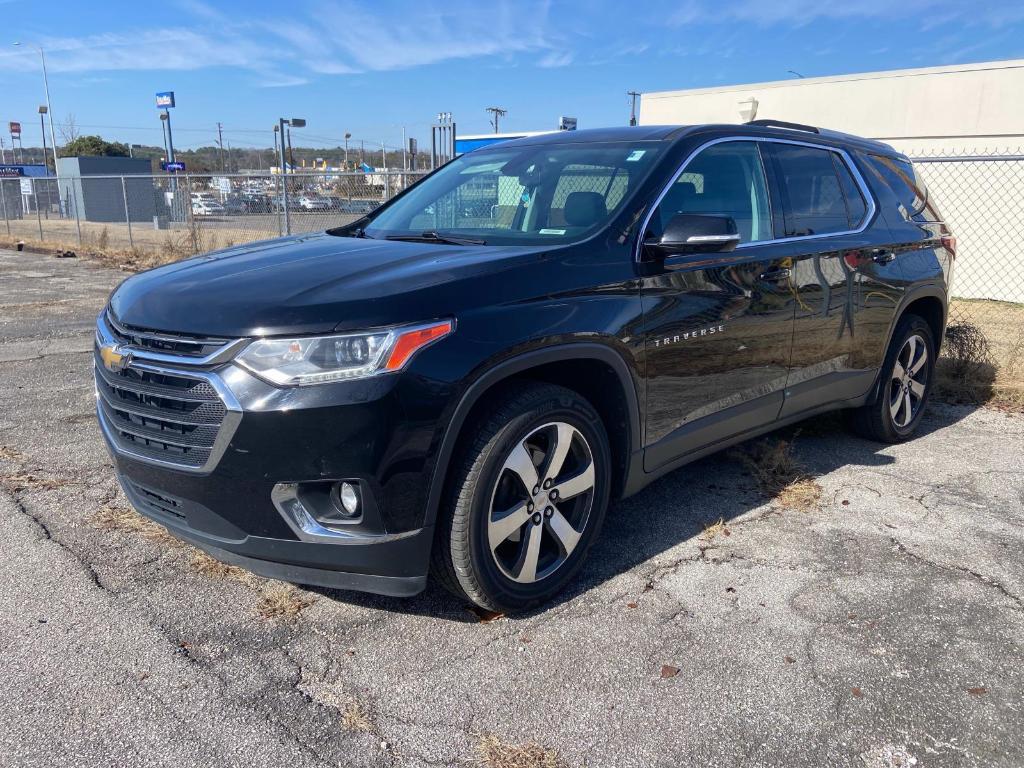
[{"x": 902, "y": 178}]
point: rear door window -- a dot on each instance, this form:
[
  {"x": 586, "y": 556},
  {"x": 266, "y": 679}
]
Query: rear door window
[
  {"x": 856, "y": 206},
  {"x": 813, "y": 201}
]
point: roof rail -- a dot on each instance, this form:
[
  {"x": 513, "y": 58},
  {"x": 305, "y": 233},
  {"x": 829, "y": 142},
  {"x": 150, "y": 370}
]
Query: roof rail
[{"x": 783, "y": 124}]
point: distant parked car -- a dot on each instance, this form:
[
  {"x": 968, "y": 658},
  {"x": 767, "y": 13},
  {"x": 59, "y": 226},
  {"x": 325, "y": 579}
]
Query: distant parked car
[
  {"x": 314, "y": 203},
  {"x": 204, "y": 207},
  {"x": 248, "y": 203}
]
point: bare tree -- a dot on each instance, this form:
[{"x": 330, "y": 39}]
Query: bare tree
[{"x": 68, "y": 129}]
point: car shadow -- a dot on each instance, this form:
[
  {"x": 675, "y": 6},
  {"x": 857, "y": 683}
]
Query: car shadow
[{"x": 674, "y": 509}]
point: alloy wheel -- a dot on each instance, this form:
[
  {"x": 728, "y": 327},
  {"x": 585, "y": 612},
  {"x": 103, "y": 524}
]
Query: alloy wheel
[
  {"x": 909, "y": 381},
  {"x": 541, "y": 502}
]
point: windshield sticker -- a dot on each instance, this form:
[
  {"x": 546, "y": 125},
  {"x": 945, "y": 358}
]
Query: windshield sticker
[
  {"x": 635, "y": 155},
  {"x": 552, "y": 231}
]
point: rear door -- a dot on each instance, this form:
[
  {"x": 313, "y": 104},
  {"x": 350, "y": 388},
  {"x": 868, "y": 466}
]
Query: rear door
[
  {"x": 717, "y": 327},
  {"x": 824, "y": 234}
]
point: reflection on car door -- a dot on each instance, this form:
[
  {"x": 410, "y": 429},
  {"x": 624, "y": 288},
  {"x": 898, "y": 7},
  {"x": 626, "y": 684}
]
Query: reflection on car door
[
  {"x": 718, "y": 328},
  {"x": 823, "y": 215}
]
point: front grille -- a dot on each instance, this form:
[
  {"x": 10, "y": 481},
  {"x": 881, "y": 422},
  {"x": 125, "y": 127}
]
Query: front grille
[
  {"x": 167, "y": 343},
  {"x": 163, "y": 416}
]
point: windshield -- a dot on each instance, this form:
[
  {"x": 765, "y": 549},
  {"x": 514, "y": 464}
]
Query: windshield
[{"x": 520, "y": 195}]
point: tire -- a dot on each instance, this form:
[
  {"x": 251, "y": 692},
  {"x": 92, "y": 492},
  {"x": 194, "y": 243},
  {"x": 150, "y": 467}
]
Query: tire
[
  {"x": 886, "y": 420},
  {"x": 522, "y": 432}
]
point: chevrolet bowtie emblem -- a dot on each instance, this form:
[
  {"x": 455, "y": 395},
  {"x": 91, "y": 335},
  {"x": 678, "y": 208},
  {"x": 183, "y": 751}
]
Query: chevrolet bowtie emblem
[{"x": 114, "y": 359}]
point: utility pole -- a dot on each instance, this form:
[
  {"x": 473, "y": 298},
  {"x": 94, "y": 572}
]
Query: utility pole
[
  {"x": 632, "y": 110},
  {"x": 498, "y": 114},
  {"x": 220, "y": 143}
]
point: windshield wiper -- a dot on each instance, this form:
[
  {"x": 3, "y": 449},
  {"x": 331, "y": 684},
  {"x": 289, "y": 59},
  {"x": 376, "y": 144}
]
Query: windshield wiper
[{"x": 433, "y": 236}]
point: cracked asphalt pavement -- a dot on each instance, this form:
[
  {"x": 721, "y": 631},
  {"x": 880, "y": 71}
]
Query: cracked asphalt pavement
[{"x": 883, "y": 628}]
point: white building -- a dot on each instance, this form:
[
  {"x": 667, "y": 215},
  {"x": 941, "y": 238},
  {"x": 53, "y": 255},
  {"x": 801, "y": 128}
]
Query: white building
[
  {"x": 961, "y": 110},
  {"x": 977, "y": 108}
]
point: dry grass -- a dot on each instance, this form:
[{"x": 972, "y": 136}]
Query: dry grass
[
  {"x": 354, "y": 717},
  {"x": 115, "y": 517},
  {"x": 494, "y": 753},
  {"x": 982, "y": 358},
  {"x": 12, "y": 454},
  {"x": 210, "y": 566},
  {"x": 282, "y": 602},
  {"x": 17, "y": 482},
  {"x": 779, "y": 475},
  {"x": 716, "y": 529}
]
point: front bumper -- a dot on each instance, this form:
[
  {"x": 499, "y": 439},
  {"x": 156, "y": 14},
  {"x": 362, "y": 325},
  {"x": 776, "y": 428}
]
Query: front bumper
[
  {"x": 388, "y": 565},
  {"x": 376, "y": 432}
]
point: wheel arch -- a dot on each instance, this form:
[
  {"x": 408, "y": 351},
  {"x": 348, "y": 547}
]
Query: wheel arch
[
  {"x": 586, "y": 367},
  {"x": 930, "y": 302}
]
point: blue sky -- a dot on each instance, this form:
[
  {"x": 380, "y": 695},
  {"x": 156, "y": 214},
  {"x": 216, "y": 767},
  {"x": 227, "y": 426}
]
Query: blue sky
[{"x": 372, "y": 67}]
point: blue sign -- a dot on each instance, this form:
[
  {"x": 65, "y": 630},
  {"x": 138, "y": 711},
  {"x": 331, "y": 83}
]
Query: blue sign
[
  {"x": 11, "y": 170},
  {"x": 165, "y": 100},
  {"x": 172, "y": 167}
]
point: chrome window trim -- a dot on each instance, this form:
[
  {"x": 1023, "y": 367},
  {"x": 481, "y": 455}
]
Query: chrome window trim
[
  {"x": 104, "y": 336},
  {"x": 872, "y": 207}
]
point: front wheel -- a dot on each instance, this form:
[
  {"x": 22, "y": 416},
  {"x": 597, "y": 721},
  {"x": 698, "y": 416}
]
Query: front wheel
[
  {"x": 528, "y": 498},
  {"x": 906, "y": 380}
]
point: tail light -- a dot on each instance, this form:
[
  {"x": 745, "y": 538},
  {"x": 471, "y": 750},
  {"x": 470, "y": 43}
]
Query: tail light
[{"x": 949, "y": 243}]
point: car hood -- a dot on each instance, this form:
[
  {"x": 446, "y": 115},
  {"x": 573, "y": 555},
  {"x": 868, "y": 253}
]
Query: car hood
[{"x": 310, "y": 284}]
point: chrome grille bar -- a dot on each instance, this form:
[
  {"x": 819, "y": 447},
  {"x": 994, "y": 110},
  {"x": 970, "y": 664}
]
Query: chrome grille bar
[{"x": 178, "y": 417}]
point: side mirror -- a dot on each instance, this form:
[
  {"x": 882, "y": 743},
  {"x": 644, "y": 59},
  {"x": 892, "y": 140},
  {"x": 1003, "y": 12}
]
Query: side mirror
[{"x": 695, "y": 233}]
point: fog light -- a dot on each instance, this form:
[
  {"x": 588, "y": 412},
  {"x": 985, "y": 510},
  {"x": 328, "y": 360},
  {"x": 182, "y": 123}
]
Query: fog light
[{"x": 349, "y": 498}]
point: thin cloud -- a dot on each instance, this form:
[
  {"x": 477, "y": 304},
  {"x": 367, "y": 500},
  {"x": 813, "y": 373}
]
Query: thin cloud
[
  {"x": 337, "y": 38},
  {"x": 802, "y": 12}
]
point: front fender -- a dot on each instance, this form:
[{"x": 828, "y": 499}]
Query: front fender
[{"x": 486, "y": 376}]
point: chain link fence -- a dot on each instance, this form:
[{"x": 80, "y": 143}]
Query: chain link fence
[
  {"x": 152, "y": 219},
  {"x": 147, "y": 220},
  {"x": 981, "y": 196}
]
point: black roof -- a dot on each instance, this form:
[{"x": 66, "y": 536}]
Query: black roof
[{"x": 674, "y": 132}]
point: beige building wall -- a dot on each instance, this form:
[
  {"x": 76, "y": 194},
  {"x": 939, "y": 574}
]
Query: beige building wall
[{"x": 973, "y": 109}]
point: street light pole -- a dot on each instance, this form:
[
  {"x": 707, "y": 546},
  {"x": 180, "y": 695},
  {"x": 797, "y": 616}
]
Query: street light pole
[
  {"x": 49, "y": 111},
  {"x": 42, "y": 130},
  {"x": 281, "y": 123}
]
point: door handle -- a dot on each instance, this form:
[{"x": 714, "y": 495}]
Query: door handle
[
  {"x": 882, "y": 256},
  {"x": 771, "y": 275}
]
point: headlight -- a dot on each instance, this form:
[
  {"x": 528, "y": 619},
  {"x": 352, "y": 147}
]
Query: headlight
[{"x": 321, "y": 359}]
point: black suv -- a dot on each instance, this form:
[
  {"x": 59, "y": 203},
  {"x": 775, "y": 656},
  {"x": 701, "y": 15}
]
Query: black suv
[{"x": 460, "y": 381}]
